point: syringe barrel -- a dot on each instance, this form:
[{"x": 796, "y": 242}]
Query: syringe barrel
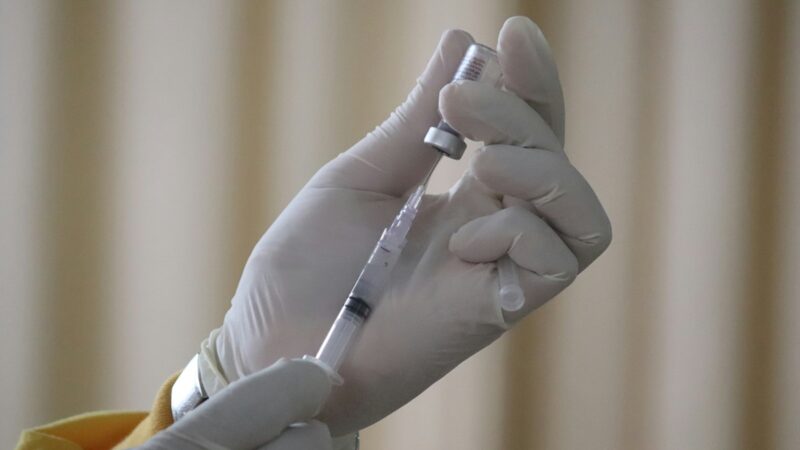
[
  {"x": 480, "y": 63},
  {"x": 375, "y": 274},
  {"x": 340, "y": 337},
  {"x": 367, "y": 289}
]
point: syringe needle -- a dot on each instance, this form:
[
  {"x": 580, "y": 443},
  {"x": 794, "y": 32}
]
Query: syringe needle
[{"x": 430, "y": 171}]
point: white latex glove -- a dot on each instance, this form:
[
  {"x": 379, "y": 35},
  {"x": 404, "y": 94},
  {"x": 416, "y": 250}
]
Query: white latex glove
[
  {"x": 441, "y": 305},
  {"x": 260, "y": 411}
]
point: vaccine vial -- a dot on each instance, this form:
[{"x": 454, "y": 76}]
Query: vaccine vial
[{"x": 479, "y": 64}]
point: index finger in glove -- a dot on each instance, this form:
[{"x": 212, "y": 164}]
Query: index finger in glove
[
  {"x": 557, "y": 191},
  {"x": 256, "y": 409},
  {"x": 487, "y": 114}
]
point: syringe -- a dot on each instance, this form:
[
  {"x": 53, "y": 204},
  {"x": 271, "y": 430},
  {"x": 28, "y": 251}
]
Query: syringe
[
  {"x": 370, "y": 285},
  {"x": 480, "y": 63}
]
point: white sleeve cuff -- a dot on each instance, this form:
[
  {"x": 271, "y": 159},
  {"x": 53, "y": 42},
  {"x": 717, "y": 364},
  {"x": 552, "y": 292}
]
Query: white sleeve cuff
[
  {"x": 213, "y": 380},
  {"x": 349, "y": 442},
  {"x": 211, "y": 375}
]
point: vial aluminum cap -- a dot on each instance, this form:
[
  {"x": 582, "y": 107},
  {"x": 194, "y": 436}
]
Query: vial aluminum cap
[{"x": 452, "y": 145}]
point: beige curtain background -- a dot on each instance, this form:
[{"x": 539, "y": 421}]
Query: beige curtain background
[{"x": 145, "y": 146}]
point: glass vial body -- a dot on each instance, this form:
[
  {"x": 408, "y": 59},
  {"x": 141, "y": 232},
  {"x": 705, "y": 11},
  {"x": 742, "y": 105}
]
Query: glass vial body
[{"x": 480, "y": 64}]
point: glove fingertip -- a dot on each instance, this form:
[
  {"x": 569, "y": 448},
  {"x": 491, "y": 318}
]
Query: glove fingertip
[
  {"x": 314, "y": 375},
  {"x": 522, "y": 35},
  {"x": 455, "y": 244},
  {"x": 441, "y": 67},
  {"x": 474, "y": 108},
  {"x": 456, "y": 35},
  {"x": 519, "y": 26},
  {"x": 530, "y": 71},
  {"x": 460, "y": 241},
  {"x": 304, "y": 381},
  {"x": 453, "y": 103},
  {"x": 486, "y": 164},
  {"x": 477, "y": 241}
]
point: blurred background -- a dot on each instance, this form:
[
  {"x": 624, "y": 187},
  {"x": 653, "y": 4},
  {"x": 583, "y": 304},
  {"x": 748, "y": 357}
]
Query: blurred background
[{"x": 145, "y": 146}]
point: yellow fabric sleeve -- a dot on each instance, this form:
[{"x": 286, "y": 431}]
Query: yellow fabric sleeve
[
  {"x": 160, "y": 417},
  {"x": 103, "y": 430}
]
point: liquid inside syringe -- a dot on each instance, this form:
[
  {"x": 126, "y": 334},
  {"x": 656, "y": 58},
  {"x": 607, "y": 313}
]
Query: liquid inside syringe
[{"x": 370, "y": 284}]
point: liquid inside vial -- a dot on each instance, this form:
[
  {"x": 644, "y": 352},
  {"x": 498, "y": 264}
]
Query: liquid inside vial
[{"x": 479, "y": 64}]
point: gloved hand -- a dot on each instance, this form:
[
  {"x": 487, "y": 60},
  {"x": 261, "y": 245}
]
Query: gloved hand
[
  {"x": 441, "y": 305},
  {"x": 260, "y": 411}
]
